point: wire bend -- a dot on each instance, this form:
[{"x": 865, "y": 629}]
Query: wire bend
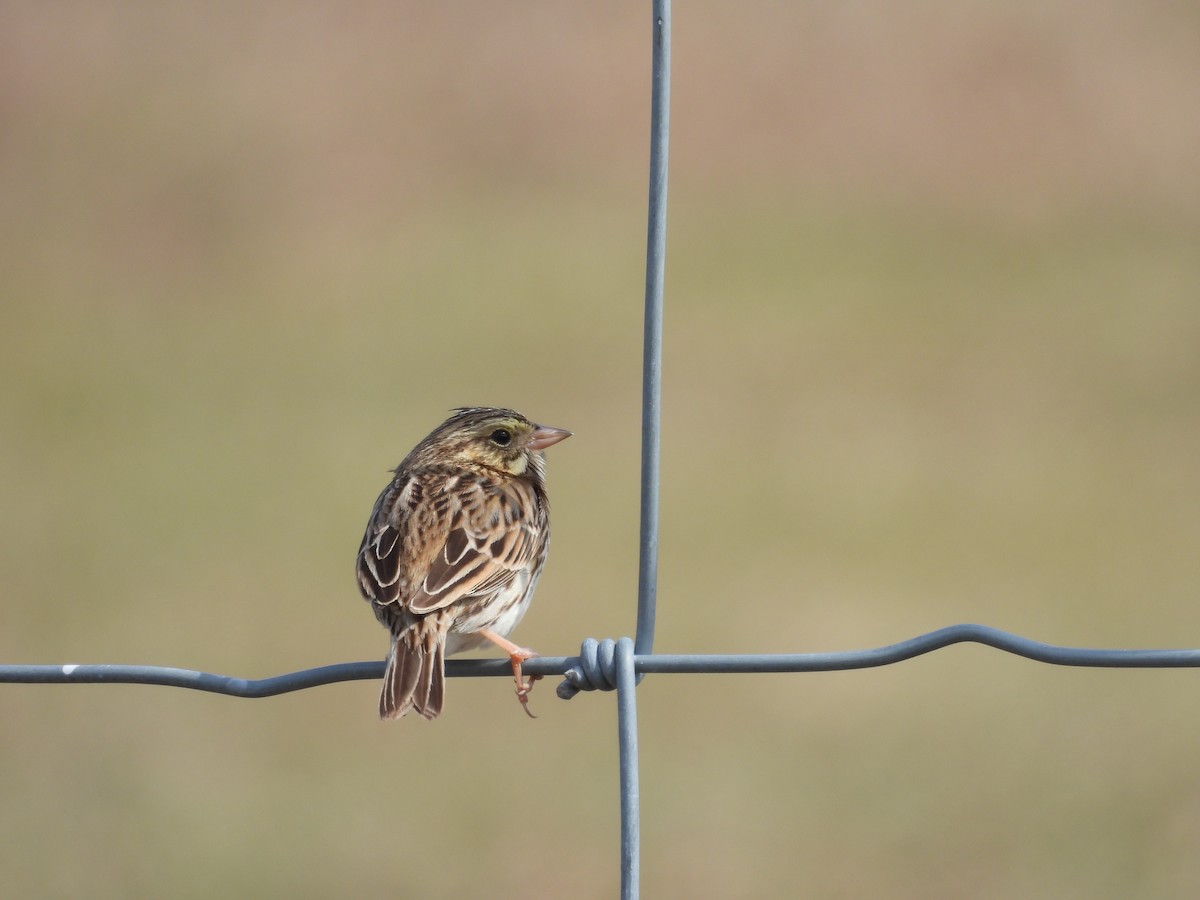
[{"x": 594, "y": 670}]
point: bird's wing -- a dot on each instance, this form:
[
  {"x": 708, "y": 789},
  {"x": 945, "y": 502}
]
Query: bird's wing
[
  {"x": 380, "y": 554},
  {"x": 490, "y": 537},
  {"x": 437, "y": 543}
]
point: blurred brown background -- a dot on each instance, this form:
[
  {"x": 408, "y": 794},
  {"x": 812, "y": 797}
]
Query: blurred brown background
[{"x": 931, "y": 356}]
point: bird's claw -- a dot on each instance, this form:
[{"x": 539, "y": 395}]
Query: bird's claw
[{"x": 524, "y": 685}]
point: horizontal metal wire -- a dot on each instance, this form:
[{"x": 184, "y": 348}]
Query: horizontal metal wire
[
  {"x": 186, "y": 678},
  {"x": 596, "y": 669}
]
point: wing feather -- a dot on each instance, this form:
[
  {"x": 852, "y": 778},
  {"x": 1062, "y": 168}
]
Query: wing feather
[
  {"x": 426, "y": 549},
  {"x": 382, "y": 548},
  {"x": 497, "y": 540}
]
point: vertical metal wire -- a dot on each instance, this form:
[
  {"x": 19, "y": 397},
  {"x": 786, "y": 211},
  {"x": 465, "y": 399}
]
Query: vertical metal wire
[
  {"x": 656, "y": 246},
  {"x": 627, "y": 739}
]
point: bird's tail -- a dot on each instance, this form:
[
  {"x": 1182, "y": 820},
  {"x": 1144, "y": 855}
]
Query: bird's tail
[{"x": 416, "y": 671}]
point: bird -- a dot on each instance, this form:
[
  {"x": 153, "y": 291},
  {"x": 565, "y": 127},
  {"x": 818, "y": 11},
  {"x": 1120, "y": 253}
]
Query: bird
[{"x": 454, "y": 548}]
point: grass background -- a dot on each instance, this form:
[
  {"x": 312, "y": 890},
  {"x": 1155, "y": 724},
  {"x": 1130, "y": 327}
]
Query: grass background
[{"x": 931, "y": 356}]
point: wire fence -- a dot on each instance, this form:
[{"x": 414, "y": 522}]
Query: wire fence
[
  {"x": 615, "y": 665},
  {"x": 619, "y": 664}
]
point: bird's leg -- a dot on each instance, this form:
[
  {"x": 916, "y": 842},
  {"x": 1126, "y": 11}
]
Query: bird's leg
[{"x": 516, "y": 656}]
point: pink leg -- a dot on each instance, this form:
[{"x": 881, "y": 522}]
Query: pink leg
[{"x": 516, "y": 656}]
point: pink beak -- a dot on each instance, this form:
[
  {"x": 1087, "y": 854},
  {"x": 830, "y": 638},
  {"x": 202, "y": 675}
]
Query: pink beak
[{"x": 545, "y": 436}]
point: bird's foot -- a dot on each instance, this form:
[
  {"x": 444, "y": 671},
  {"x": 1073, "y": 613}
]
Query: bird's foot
[
  {"x": 516, "y": 656},
  {"x": 524, "y": 685}
]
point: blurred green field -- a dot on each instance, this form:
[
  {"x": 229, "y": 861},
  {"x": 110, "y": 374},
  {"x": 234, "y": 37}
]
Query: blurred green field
[{"x": 932, "y": 340}]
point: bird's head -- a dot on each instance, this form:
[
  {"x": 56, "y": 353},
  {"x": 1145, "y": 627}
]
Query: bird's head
[{"x": 498, "y": 439}]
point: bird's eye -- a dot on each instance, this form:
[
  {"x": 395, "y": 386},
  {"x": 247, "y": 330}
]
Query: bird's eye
[{"x": 501, "y": 436}]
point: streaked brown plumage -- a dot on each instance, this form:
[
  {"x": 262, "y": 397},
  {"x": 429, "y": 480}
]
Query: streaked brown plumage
[{"x": 454, "y": 548}]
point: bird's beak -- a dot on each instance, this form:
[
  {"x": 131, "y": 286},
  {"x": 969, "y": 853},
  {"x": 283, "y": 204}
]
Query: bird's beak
[{"x": 545, "y": 436}]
